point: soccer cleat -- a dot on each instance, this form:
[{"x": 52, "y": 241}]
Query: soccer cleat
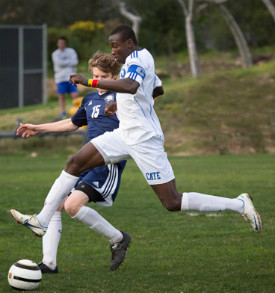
[
  {"x": 47, "y": 270},
  {"x": 119, "y": 251},
  {"x": 30, "y": 222},
  {"x": 249, "y": 212}
]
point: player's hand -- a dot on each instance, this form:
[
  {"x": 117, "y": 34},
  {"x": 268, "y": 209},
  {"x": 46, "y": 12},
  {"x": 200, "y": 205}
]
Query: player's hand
[
  {"x": 76, "y": 79},
  {"x": 110, "y": 109},
  {"x": 27, "y": 130},
  {"x": 158, "y": 91}
]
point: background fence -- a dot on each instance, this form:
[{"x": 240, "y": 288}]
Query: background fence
[{"x": 23, "y": 65}]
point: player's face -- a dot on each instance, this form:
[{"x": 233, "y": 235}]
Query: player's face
[
  {"x": 101, "y": 75},
  {"x": 120, "y": 50},
  {"x": 61, "y": 44}
]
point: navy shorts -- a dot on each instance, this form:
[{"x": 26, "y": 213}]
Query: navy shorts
[{"x": 105, "y": 180}]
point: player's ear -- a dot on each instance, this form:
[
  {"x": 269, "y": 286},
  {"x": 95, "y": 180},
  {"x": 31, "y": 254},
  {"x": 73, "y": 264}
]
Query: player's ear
[{"x": 130, "y": 43}]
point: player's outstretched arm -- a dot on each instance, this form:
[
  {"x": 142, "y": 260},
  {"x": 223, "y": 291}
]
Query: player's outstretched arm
[
  {"x": 76, "y": 79},
  {"x": 124, "y": 85},
  {"x": 28, "y": 130}
]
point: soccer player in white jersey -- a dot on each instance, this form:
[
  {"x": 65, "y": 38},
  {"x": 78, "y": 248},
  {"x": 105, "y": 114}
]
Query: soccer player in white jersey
[{"x": 139, "y": 137}]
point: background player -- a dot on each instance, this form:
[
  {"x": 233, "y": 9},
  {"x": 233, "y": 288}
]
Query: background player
[
  {"x": 65, "y": 61},
  {"x": 99, "y": 185}
]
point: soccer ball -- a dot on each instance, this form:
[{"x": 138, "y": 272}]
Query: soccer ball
[{"x": 24, "y": 275}]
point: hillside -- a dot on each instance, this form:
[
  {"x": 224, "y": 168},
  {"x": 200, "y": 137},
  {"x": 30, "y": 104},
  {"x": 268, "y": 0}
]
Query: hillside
[
  {"x": 229, "y": 111},
  {"x": 226, "y": 112}
]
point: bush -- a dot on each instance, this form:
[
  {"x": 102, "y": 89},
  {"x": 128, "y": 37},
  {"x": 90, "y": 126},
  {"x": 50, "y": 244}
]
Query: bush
[{"x": 86, "y": 37}]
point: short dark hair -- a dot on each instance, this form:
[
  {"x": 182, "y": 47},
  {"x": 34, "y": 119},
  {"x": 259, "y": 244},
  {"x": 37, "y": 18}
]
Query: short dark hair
[
  {"x": 63, "y": 38},
  {"x": 125, "y": 32}
]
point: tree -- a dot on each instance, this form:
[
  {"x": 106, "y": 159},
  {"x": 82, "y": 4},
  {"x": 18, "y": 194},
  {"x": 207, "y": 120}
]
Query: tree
[
  {"x": 135, "y": 19},
  {"x": 236, "y": 32},
  {"x": 270, "y": 8},
  {"x": 162, "y": 28},
  {"x": 190, "y": 37},
  {"x": 238, "y": 36}
]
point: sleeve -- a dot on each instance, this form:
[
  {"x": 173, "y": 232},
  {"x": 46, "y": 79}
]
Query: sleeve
[
  {"x": 136, "y": 70},
  {"x": 53, "y": 53},
  {"x": 55, "y": 58},
  {"x": 80, "y": 118},
  {"x": 157, "y": 82},
  {"x": 73, "y": 58}
]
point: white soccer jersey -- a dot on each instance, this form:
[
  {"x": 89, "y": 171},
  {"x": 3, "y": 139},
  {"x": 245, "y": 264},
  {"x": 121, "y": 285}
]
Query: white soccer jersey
[
  {"x": 138, "y": 119},
  {"x": 65, "y": 63}
]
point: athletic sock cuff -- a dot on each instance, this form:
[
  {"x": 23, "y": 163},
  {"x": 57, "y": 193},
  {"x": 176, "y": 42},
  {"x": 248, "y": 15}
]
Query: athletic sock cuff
[
  {"x": 81, "y": 213},
  {"x": 64, "y": 173},
  {"x": 56, "y": 216},
  {"x": 184, "y": 202}
]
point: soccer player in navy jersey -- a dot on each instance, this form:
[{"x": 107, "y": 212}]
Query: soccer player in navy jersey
[
  {"x": 140, "y": 137},
  {"x": 99, "y": 185}
]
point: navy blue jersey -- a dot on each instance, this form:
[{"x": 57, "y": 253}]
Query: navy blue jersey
[
  {"x": 91, "y": 113},
  {"x": 105, "y": 179}
]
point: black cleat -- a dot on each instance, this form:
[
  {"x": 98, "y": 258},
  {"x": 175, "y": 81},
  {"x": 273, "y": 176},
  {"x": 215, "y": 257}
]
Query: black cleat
[
  {"x": 119, "y": 250},
  {"x": 47, "y": 270}
]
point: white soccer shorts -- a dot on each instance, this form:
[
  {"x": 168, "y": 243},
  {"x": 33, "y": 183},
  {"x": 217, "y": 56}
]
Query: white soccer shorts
[{"x": 149, "y": 155}]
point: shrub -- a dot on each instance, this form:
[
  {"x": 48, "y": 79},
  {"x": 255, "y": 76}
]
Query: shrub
[{"x": 86, "y": 37}]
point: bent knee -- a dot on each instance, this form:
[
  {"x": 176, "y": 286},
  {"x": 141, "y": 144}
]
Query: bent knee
[
  {"x": 71, "y": 161},
  {"x": 73, "y": 166},
  {"x": 70, "y": 208}
]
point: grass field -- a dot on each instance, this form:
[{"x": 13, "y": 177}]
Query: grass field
[{"x": 170, "y": 252}]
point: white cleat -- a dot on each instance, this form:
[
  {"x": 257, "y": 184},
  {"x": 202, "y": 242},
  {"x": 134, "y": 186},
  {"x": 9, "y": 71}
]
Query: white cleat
[
  {"x": 30, "y": 222},
  {"x": 249, "y": 212}
]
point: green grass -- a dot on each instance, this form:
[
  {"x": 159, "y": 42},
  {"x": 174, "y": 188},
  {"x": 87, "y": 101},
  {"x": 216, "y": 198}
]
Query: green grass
[{"x": 170, "y": 252}]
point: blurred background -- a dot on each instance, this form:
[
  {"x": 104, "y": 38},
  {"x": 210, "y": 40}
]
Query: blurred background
[{"x": 215, "y": 58}]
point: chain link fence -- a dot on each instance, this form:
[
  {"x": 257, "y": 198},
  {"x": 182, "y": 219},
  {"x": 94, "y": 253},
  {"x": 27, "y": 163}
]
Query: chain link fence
[{"x": 23, "y": 65}]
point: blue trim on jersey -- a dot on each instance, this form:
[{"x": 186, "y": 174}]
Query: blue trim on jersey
[
  {"x": 122, "y": 73},
  {"x": 151, "y": 108},
  {"x": 134, "y": 54},
  {"x": 145, "y": 115},
  {"x": 135, "y": 70},
  {"x": 133, "y": 75},
  {"x": 140, "y": 107}
]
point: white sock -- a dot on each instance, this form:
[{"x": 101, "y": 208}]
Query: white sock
[
  {"x": 60, "y": 189},
  {"x": 97, "y": 223},
  {"x": 51, "y": 240},
  {"x": 209, "y": 203}
]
